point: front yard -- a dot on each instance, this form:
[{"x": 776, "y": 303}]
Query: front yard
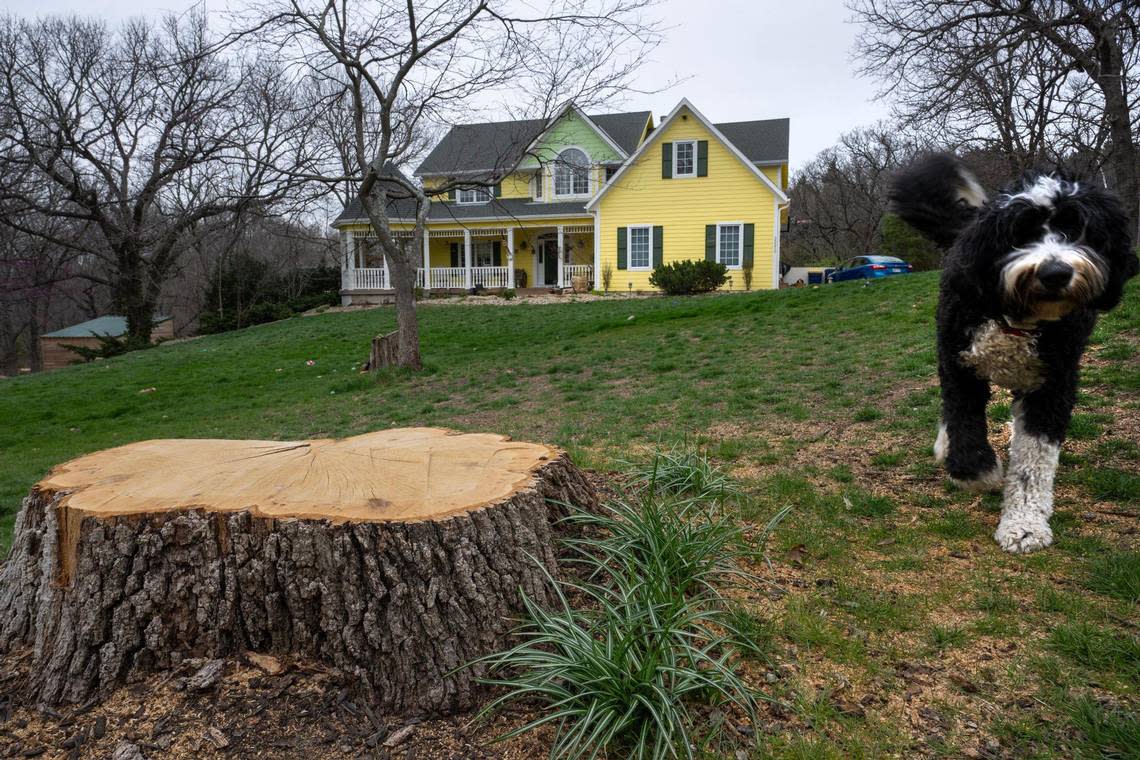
[{"x": 891, "y": 622}]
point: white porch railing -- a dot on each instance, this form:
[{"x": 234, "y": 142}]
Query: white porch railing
[
  {"x": 490, "y": 277},
  {"x": 570, "y": 271},
  {"x": 443, "y": 278},
  {"x": 370, "y": 279}
]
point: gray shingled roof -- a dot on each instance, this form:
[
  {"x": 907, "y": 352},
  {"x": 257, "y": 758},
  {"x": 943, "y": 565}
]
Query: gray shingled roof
[
  {"x": 500, "y": 145},
  {"x": 761, "y": 141},
  {"x": 623, "y": 128},
  {"x": 108, "y": 326},
  {"x": 500, "y": 208}
]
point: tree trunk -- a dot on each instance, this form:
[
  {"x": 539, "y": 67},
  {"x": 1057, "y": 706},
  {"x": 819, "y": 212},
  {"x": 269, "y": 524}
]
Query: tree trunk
[
  {"x": 1123, "y": 157},
  {"x": 9, "y": 342},
  {"x": 397, "y": 556},
  {"x": 131, "y": 297},
  {"x": 35, "y": 355},
  {"x": 407, "y": 324}
]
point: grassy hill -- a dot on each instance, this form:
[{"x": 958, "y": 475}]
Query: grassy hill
[{"x": 894, "y": 624}]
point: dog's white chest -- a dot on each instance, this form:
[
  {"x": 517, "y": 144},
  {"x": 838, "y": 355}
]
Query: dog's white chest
[{"x": 1006, "y": 359}]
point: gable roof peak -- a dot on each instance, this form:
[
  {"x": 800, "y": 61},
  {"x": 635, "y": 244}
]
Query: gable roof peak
[{"x": 685, "y": 103}]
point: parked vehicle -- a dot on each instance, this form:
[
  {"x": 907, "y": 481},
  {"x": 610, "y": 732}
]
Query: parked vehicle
[{"x": 869, "y": 267}]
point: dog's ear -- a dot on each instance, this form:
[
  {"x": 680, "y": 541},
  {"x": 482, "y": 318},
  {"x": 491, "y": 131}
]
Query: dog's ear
[
  {"x": 983, "y": 244},
  {"x": 1110, "y": 232}
]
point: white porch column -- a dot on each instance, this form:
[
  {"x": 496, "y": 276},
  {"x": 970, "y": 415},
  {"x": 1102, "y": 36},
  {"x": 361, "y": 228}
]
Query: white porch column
[
  {"x": 561, "y": 256},
  {"x": 511, "y": 257},
  {"x": 467, "y": 259},
  {"x": 346, "y": 263},
  {"x": 427, "y": 261}
]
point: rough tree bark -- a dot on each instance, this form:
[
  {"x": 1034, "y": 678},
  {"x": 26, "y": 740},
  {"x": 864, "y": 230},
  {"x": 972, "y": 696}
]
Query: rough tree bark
[
  {"x": 385, "y": 351},
  {"x": 397, "y": 556}
]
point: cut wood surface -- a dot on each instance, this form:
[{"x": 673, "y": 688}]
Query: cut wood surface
[
  {"x": 397, "y": 555},
  {"x": 401, "y": 474}
]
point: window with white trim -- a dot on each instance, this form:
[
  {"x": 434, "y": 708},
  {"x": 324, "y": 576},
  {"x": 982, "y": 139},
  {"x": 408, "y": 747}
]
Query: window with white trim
[
  {"x": 729, "y": 244},
  {"x": 640, "y": 247},
  {"x": 536, "y": 186},
  {"x": 685, "y": 158},
  {"x": 483, "y": 253},
  {"x": 475, "y": 195},
  {"x": 572, "y": 173}
]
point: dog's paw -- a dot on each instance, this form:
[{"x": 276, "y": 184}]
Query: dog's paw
[
  {"x": 1022, "y": 533},
  {"x": 986, "y": 481}
]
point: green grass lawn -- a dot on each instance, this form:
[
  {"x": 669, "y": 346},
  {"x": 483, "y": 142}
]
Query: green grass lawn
[{"x": 894, "y": 624}]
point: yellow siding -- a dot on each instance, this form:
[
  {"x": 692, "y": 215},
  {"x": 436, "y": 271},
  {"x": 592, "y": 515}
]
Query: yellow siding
[
  {"x": 730, "y": 193},
  {"x": 517, "y": 185}
]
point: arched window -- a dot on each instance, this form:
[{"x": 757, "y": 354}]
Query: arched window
[{"x": 572, "y": 173}]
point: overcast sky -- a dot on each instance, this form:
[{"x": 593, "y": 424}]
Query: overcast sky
[{"x": 740, "y": 59}]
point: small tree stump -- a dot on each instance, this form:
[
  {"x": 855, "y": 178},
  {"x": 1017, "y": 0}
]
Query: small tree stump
[
  {"x": 385, "y": 351},
  {"x": 397, "y": 556}
]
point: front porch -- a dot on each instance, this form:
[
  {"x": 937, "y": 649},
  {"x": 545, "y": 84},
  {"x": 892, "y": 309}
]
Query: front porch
[{"x": 462, "y": 259}]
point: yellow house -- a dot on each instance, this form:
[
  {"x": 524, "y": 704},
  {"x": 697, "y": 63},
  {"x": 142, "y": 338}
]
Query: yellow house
[{"x": 603, "y": 197}]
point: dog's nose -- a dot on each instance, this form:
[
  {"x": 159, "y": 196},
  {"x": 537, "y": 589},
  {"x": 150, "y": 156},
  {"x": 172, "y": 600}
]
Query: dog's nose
[{"x": 1054, "y": 274}]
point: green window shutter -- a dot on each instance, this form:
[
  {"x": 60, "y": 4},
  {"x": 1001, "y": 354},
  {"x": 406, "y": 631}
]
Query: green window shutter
[
  {"x": 666, "y": 160},
  {"x": 622, "y": 257},
  {"x": 703, "y": 158},
  {"x": 658, "y": 249},
  {"x": 749, "y": 245},
  {"x": 451, "y": 194},
  {"x": 710, "y": 242},
  {"x": 497, "y": 254},
  {"x": 455, "y": 254},
  {"x": 498, "y": 191}
]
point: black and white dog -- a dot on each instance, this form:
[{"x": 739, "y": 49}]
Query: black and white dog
[{"x": 1023, "y": 279}]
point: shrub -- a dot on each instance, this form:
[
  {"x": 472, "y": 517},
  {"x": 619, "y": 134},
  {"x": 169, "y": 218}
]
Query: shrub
[
  {"x": 681, "y": 278},
  {"x": 243, "y": 291},
  {"x": 746, "y": 273},
  {"x": 901, "y": 240},
  {"x": 108, "y": 346},
  {"x": 607, "y": 275},
  {"x": 509, "y": 294}
]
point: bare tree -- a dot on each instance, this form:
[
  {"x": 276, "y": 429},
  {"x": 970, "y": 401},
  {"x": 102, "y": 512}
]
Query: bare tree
[
  {"x": 839, "y": 198},
  {"x": 1039, "y": 71},
  {"x": 140, "y": 133},
  {"x": 391, "y": 73}
]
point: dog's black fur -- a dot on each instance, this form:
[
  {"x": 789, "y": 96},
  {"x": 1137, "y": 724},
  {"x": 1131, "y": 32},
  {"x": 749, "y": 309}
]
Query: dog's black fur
[{"x": 935, "y": 196}]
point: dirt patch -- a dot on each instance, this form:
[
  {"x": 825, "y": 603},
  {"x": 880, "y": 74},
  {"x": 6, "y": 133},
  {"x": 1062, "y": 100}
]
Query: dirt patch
[{"x": 302, "y": 710}]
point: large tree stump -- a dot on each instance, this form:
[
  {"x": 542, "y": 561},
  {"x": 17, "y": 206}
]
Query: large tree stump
[{"x": 397, "y": 556}]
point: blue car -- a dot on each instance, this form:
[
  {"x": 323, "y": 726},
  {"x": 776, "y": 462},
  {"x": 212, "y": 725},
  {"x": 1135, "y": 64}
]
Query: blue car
[{"x": 868, "y": 267}]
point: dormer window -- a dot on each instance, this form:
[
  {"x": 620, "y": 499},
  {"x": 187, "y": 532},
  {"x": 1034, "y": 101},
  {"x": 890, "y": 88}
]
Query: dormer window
[
  {"x": 572, "y": 173},
  {"x": 685, "y": 158},
  {"x": 475, "y": 195}
]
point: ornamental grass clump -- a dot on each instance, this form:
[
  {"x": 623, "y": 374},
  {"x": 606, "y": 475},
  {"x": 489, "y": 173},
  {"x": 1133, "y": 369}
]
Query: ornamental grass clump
[
  {"x": 685, "y": 471},
  {"x": 624, "y": 673}
]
